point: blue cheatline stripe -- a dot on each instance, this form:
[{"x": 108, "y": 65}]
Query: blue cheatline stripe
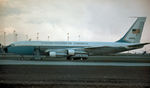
[
  {"x": 29, "y": 50},
  {"x": 69, "y": 63}
]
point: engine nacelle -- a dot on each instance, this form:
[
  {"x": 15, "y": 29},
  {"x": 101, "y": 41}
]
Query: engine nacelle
[
  {"x": 52, "y": 54},
  {"x": 57, "y": 54},
  {"x": 71, "y": 52}
]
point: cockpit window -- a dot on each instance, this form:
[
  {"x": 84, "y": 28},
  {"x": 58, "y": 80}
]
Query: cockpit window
[{"x": 12, "y": 45}]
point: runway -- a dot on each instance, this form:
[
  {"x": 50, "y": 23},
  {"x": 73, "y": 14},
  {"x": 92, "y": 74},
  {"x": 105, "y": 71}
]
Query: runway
[
  {"x": 75, "y": 74},
  {"x": 71, "y": 63},
  {"x": 118, "y": 58}
]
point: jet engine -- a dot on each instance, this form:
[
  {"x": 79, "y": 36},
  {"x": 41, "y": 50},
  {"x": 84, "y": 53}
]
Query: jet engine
[
  {"x": 52, "y": 54},
  {"x": 57, "y": 54},
  {"x": 71, "y": 52}
]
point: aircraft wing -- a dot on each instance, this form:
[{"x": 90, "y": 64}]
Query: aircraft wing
[
  {"x": 92, "y": 49},
  {"x": 138, "y": 45},
  {"x": 99, "y": 47},
  {"x": 115, "y": 47}
]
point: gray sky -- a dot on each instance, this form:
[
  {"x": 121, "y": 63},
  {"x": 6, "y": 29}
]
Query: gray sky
[{"x": 93, "y": 20}]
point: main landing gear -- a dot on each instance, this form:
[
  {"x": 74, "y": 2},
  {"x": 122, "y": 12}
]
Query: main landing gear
[{"x": 76, "y": 58}]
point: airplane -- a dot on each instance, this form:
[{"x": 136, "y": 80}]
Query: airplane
[{"x": 73, "y": 50}]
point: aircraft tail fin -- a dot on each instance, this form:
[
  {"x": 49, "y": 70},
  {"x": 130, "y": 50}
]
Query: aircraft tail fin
[{"x": 134, "y": 33}]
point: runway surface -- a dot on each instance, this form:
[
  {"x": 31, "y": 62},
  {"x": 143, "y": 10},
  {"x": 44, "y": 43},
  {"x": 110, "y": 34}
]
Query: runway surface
[
  {"x": 74, "y": 74},
  {"x": 119, "y": 58},
  {"x": 72, "y": 63}
]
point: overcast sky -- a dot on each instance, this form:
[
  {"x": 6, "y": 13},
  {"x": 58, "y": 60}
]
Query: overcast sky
[{"x": 93, "y": 20}]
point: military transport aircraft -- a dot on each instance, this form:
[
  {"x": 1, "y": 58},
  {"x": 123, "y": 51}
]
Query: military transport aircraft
[{"x": 80, "y": 49}]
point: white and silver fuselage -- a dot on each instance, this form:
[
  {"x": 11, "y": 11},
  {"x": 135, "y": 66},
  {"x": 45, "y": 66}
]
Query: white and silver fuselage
[{"x": 27, "y": 47}]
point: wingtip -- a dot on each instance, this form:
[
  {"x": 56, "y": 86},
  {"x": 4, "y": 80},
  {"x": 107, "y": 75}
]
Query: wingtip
[{"x": 137, "y": 17}]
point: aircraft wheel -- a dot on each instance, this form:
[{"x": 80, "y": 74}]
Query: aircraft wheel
[
  {"x": 76, "y": 58},
  {"x": 69, "y": 58},
  {"x": 84, "y": 58}
]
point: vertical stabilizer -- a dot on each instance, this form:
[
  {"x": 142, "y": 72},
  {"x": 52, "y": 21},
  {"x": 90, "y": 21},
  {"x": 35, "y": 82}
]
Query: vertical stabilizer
[{"x": 135, "y": 31}]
